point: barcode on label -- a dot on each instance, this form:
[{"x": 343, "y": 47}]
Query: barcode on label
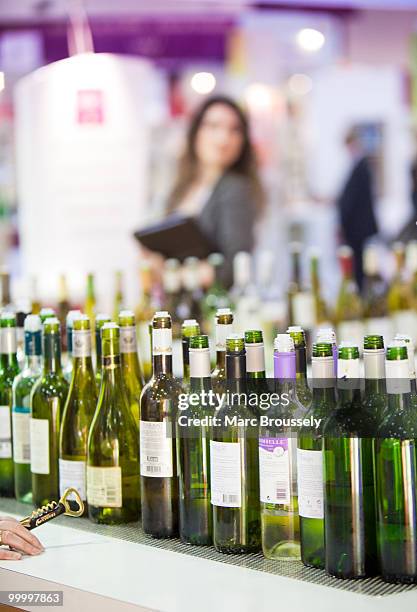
[
  {"x": 153, "y": 469},
  {"x": 230, "y": 499},
  {"x": 111, "y": 495},
  {"x": 281, "y": 492}
]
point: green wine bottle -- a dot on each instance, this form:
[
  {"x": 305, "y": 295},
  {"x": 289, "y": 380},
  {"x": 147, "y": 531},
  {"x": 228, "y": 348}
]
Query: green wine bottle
[
  {"x": 158, "y": 408},
  {"x": 9, "y": 369},
  {"x": 131, "y": 369},
  {"x": 69, "y": 324},
  {"x": 349, "y": 500},
  {"x": 234, "y": 463},
  {"x": 22, "y": 386},
  {"x": 278, "y": 461},
  {"x": 310, "y": 458},
  {"x": 375, "y": 396},
  {"x": 303, "y": 390},
  {"x": 47, "y": 402},
  {"x": 224, "y": 327},
  {"x": 78, "y": 412},
  {"x": 189, "y": 328},
  {"x": 193, "y": 428},
  {"x": 255, "y": 366},
  {"x": 395, "y": 472},
  {"x": 113, "y": 443},
  {"x": 101, "y": 319}
]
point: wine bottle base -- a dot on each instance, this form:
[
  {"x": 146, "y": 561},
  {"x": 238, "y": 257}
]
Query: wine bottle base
[
  {"x": 190, "y": 541},
  {"x": 236, "y": 550}
]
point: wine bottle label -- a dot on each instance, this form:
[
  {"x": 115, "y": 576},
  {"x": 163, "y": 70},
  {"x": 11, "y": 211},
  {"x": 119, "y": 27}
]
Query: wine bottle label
[
  {"x": 374, "y": 363},
  {"x": 351, "y": 331},
  {"x": 39, "y": 446},
  {"x": 104, "y": 486},
  {"x": 5, "y": 433},
  {"x": 310, "y": 483},
  {"x": 162, "y": 341},
  {"x": 199, "y": 363},
  {"x": 21, "y": 434},
  {"x": 274, "y": 470},
  {"x": 155, "y": 450},
  {"x": 81, "y": 343},
  {"x": 128, "y": 343},
  {"x": 303, "y": 309},
  {"x": 255, "y": 357},
  {"x": 72, "y": 474},
  {"x": 226, "y": 474}
]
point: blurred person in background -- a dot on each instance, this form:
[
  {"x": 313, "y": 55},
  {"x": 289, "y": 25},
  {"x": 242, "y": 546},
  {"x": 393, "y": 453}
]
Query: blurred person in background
[
  {"x": 356, "y": 202},
  {"x": 217, "y": 181}
]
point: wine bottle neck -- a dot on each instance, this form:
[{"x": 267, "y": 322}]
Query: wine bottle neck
[
  {"x": 162, "y": 364},
  {"x": 236, "y": 367},
  {"x": 220, "y": 360},
  {"x": 301, "y": 362},
  {"x": 52, "y": 353}
]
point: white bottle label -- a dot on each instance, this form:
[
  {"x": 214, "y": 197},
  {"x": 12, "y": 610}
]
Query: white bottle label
[
  {"x": 303, "y": 309},
  {"x": 72, "y": 474},
  {"x": 39, "y": 446},
  {"x": 255, "y": 357},
  {"x": 222, "y": 331},
  {"x": 274, "y": 470},
  {"x": 5, "y": 433},
  {"x": 226, "y": 474},
  {"x": 81, "y": 343},
  {"x": 310, "y": 483},
  {"x": 21, "y": 434},
  {"x": 155, "y": 450},
  {"x": 128, "y": 342},
  {"x": 104, "y": 486}
]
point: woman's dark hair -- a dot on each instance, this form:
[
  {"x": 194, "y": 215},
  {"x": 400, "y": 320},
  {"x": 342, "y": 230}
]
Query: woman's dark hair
[{"x": 245, "y": 165}]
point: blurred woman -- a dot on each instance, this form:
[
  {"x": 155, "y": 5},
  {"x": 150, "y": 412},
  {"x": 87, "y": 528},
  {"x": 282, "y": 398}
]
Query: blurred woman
[{"x": 217, "y": 181}]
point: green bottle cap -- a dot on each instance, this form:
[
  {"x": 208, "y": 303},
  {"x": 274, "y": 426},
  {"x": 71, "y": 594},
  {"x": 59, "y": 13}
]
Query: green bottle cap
[
  {"x": 348, "y": 351},
  {"x": 373, "y": 342},
  {"x": 253, "y": 336},
  {"x": 235, "y": 343},
  {"x": 8, "y": 319},
  {"x": 189, "y": 328},
  {"x": 81, "y": 323},
  {"x": 396, "y": 351},
  {"x": 322, "y": 349},
  {"x": 298, "y": 335},
  {"x": 161, "y": 320},
  {"x": 51, "y": 326},
  {"x": 199, "y": 342},
  {"x": 127, "y": 318}
]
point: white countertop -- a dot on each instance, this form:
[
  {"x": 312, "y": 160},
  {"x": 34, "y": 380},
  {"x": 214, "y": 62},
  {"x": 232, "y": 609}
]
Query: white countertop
[{"x": 106, "y": 574}]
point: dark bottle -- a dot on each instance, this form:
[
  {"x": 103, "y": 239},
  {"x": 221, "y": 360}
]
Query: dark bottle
[
  {"x": 310, "y": 458},
  {"x": 349, "y": 500},
  {"x": 158, "y": 407},
  {"x": 395, "y": 470},
  {"x": 234, "y": 463},
  {"x": 193, "y": 428}
]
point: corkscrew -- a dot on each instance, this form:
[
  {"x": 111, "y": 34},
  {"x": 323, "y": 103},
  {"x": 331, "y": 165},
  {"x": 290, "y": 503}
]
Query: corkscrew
[{"x": 53, "y": 509}]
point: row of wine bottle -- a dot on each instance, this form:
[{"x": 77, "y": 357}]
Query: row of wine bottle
[{"x": 339, "y": 491}]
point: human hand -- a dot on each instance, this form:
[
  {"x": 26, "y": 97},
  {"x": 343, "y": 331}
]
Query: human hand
[{"x": 13, "y": 534}]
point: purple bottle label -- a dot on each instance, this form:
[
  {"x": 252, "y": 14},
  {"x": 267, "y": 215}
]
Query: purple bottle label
[
  {"x": 335, "y": 358},
  {"x": 284, "y": 365},
  {"x": 270, "y": 444}
]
